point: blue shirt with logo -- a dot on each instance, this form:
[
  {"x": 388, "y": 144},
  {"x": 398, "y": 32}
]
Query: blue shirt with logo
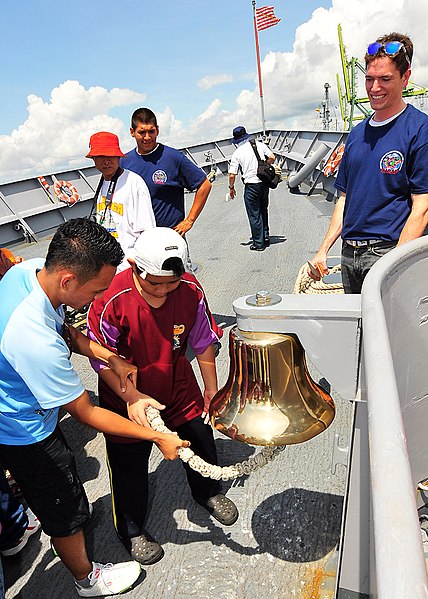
[
  {"x": 36, "y": 374},
  {"x": 166, "y": 172},
  {"x": 380, "y": 169}
]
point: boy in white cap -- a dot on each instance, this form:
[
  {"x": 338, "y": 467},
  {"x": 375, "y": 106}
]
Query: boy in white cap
[
  {"x": 122, "y": 202},
  {"x": 149, "y": 315}
]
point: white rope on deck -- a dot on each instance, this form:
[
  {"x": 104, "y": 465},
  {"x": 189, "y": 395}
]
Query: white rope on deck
[
  {"x": 246, "y": 467},
  {"x": 306, "y": 284}
]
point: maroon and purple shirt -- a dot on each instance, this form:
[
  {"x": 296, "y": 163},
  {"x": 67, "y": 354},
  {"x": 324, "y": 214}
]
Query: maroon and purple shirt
[{"x": 155, "y": 340}]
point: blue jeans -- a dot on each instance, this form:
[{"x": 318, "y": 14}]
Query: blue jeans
[
  {"x": 256, "y": 199},
  {"x": 357, "y": 261},
  {"x": 13, "y": 521},
  {"x": 13, "y": 518},
  {"x": 2, "y": 595}
]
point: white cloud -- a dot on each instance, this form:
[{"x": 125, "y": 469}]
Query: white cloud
[
  {"x": 210, "y": 81},
  {"x": 169, "y": 125},
  {"x": 293, "y": 82},
  {"x": 210, "y": 113},
  {"x": 57, "y": 131}
]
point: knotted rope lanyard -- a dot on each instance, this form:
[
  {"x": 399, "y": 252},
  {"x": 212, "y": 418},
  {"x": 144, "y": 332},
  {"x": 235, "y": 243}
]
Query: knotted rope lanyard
[{"x": 266, "y": 455}]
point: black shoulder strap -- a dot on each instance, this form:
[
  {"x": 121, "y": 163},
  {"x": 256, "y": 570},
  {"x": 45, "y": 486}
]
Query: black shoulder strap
[
  {"x": 94, "y": 199},
  {"x": 111, "y": 190},
  {"x": 253, "y": 145}
]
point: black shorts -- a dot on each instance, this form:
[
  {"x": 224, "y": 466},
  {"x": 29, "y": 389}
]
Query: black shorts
[{"x": 46, "y": 473}]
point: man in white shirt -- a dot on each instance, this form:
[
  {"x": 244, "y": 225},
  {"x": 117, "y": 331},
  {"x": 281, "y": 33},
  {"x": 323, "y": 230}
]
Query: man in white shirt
[
  {"x": 123, "y": 203},
  {"x": 256, "y": 193}
]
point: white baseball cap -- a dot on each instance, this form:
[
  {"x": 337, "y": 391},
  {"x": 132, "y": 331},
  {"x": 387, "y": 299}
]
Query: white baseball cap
[{"x": 156, "y": 245}]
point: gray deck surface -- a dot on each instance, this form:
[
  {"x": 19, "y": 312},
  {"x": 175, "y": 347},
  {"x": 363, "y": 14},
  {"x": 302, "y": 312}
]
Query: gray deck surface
[{"x": 290, "y": 511}]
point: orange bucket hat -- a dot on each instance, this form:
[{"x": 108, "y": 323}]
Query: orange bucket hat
[{"x": 104, "y": 144}]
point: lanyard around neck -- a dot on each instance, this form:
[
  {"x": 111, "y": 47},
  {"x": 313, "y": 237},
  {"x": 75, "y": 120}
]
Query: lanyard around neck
[
  {"x": 111, "y": 187},
  {"x": 110, "y": 192}
]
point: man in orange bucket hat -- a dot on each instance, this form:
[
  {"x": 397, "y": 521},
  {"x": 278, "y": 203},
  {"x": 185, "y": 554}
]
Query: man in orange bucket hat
[{"x": 122, "y": 202}]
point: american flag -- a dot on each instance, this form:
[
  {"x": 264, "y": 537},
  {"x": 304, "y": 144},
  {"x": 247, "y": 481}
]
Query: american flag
[{"x": 265, "y": 17}]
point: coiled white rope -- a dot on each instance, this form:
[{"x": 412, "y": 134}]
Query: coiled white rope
[
  {"x": 423, "y": 485},
  {"x": 266, "y": 455},
  {"x": 306, "y": 284}
]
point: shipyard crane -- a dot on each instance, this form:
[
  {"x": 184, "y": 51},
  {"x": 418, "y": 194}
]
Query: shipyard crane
[{"x": 326, "y": 110}]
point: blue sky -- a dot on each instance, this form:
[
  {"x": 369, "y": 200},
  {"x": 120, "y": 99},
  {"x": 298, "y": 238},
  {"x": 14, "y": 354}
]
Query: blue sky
[
  {"x": 70, "y": 69},
  {"x": 160, "y": 48}
]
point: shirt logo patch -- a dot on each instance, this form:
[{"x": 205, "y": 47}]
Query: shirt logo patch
[
  {"x": 159, "y": 177},
  {"x": 391, "y": 162},
  {"x": 177, "y": 331}
]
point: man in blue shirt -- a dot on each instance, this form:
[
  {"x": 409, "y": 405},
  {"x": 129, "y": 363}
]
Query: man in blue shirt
[
  {"x": 383, "y": 175},
  {"x": 167, "y": 173},
  {"x": 37, "y": 378}
]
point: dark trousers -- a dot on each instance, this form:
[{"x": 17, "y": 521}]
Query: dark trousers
[
  {"x": 128, "y": 464},
  {"x": 357, "y": 261},
  {"x": 256, "y": 199}
]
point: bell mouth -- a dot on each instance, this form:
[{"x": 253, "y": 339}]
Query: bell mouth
[{"x": 269, "y": 397}]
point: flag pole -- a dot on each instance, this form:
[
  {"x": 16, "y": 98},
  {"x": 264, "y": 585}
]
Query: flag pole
[{"x": 259, "y": 71}]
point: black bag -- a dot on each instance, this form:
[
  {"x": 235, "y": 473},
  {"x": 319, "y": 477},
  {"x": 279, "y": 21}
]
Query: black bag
[{"x": 265, "y": 170}]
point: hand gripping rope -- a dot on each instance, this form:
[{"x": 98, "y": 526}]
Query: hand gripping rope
[
  {"x": 306, "y": 284},
  {"x": 246, "y": 467}
]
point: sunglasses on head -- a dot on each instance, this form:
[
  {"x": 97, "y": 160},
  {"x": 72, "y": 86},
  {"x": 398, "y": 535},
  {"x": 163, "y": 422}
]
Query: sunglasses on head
[{"x": 391, "y": 49}]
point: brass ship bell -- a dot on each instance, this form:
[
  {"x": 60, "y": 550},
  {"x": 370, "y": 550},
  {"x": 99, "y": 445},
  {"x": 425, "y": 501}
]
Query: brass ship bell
[{"x": 269, "y": 397}]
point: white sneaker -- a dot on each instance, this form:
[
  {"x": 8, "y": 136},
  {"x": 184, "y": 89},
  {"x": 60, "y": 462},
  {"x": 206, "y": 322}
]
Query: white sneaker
[
  {"x": 109, "y": 579},
  {"x": 32, "y": 527}
]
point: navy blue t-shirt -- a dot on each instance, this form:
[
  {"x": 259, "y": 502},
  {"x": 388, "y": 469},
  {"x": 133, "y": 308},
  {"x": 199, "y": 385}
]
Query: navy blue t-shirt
[
  {"x": 167, "y": 172},
  {"x": 380, "y": 169}
]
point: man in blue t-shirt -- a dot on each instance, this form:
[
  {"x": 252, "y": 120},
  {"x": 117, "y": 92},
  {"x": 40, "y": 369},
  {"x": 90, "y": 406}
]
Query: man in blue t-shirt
[
  {"x": 167, "y": 173},
  {"x": 383, "y": 175}
]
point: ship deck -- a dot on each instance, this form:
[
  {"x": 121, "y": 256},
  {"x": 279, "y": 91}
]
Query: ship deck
[{"x": 290, "y": 511}]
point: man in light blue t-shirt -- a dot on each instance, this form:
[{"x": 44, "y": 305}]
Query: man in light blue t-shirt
[{"x": 37, "y": 377}]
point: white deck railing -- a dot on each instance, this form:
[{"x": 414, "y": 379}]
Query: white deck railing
[
  {"x": 395, "y": 337},
  {"x": 26, "y": 211}
]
